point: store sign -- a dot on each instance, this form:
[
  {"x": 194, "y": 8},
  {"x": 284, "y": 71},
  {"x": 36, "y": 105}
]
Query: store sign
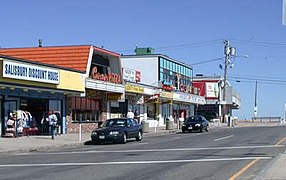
[
  {"x": 134, "y": 89},
  {"x": 212, "y": 90},
  {"x": 129, "y": 75},
  {"x": 111, "y": 77},
  {"x": 138, "y": 76},
  {"x": 189, "y": 98},
  {"x": 113, "y": 96},
  {"x": 30, "y": 72},
  {"x": 166, "y": 95}
]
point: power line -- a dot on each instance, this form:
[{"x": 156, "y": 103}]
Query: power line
[
  {"x": 258, "y": 77},
  {"x": 261, "y": 81},
  {"x": 259, "y": 43},
  {"x": 188, "y": 45},
  {"x": 207, "y": 61},
  {"x": 181, "y": 46}
]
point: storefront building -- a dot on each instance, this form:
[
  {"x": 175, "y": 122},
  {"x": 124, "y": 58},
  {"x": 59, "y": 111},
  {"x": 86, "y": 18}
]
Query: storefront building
[
  {"x": 28, "y": 90},
  {"x": 212, "y": 88},
  {"x": 101, "y": 77},
  {"x": 171, "y": 81}
]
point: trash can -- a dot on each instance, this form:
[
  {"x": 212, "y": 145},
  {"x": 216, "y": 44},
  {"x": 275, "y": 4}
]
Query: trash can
[
  {"x": 145, "y": 126},
  {"x": 169, "y": 125}
]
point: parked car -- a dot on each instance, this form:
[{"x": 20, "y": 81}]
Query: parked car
[
  {"x": 118, "y": 130},
  {"x": 195, "y": 123}
]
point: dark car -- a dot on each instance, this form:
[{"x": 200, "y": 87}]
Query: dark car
[
  {"x": 195, "y": 123},
  {"x": 118, "y": 130}
]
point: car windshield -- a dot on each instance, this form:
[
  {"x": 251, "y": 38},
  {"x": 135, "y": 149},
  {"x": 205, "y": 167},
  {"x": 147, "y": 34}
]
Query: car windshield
[
  {"x": 193, "y": 119},
  {"x": 115, "y": 122}
]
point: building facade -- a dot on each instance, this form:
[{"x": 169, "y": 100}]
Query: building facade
[
  {"x": 28, "y": 90},
  {"x": 168, "y": 91},
  {"x": 212, "y": 88},
  {"x": 101, "y": 76}
]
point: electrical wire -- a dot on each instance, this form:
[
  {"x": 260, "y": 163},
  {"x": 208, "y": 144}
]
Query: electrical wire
[
  {"x": 207, "y": 61},
  {"x": 260, "y": 80},
  {"x": 181, "y": 46},
  {"x": 259, "y": 43}
]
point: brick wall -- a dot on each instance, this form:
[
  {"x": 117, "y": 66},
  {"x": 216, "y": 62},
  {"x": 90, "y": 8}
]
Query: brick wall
[{"x": 85, "y": 127}]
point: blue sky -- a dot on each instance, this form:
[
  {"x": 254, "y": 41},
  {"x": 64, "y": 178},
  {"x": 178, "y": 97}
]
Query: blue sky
[{"x": 191, "y": 31}]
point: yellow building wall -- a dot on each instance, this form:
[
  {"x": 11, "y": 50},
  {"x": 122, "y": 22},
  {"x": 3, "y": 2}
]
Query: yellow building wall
[{"x": 70, "y": 80}]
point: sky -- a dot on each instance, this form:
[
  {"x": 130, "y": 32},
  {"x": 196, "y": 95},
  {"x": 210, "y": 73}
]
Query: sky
[{"x": 191, "y": 31}]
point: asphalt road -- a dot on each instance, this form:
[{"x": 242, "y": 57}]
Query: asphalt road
[{"x": 228, "y": 153}]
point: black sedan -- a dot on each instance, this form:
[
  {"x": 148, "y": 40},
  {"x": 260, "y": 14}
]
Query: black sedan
[
  {"x": 195, "y": 123},
  {"x": 118, "y": 130}
]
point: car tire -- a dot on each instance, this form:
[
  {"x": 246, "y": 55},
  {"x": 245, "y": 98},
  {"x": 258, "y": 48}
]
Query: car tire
[
  {"x": 201, "y": 129},
  {"x": 139, "y": 136},
  {"x": 124, "y": 138},
  {"x": 183, "y": 131}
]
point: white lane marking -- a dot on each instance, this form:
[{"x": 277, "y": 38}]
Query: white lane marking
[
  {"x": 150, "y": 150},
  {"x": 132, "y": 162},
  {"x": 224, "y": 138}
]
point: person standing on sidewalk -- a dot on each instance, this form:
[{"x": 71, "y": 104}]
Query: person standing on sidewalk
[
  {"x": 53, "y": 123},
  {"x": 130, "y": 114}
]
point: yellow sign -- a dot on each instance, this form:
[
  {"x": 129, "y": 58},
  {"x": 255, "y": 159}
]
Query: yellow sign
[
  {"x": 166, "y": 95},
  {"x": 135, "y": 89},
  {"x": 113, "y": 96}
]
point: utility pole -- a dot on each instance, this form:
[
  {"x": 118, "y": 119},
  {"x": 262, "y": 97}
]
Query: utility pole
[
  {"x": 226, "y": 62},
  {"x": 255, "y": 101},
  {"x": 228, "y": 52}
]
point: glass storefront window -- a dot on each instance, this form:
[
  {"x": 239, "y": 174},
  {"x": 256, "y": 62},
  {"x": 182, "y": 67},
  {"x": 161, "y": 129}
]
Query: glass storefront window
[{"x": 151, "y": 111}]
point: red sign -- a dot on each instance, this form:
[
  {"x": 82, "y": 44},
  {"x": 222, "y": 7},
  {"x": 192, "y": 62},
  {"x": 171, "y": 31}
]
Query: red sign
[
  {"x": 111, "y": 77},
  {"x": 138, "y": 76},
  {"x": 167, "y": 87}
]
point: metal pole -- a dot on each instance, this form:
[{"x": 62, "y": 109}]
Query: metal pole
[{"x": 79, "y": 132}]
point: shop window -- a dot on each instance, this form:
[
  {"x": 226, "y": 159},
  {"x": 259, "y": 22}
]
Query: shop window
[
  {"x": 151, "y": 111},
  {"x": 85, "y": 108}
]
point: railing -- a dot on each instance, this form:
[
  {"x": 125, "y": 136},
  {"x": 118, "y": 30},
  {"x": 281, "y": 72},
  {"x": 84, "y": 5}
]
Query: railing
[{"x": 266, "y": 119}]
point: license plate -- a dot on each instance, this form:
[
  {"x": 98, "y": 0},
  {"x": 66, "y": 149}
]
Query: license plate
[
  {"x": 190, "y": 127},
  {"x": 101, "y": 137}
]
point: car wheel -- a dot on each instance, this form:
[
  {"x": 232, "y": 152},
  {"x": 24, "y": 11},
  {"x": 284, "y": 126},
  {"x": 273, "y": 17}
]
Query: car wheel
[
  {"x": 183, "y": 131},
  {"x": 207, "y": 128},
  {"x": 139, "y": 136},
  {"x": 124, "y": 138},
  {"x": 201, "y": 129}
]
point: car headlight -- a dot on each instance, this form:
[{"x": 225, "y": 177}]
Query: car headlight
[
  {"x": 114, "y": 133},
  {"x": 94, "y": 133},
  {"x": 184, "y": 125},
  {"x": 198, "y": 125}
]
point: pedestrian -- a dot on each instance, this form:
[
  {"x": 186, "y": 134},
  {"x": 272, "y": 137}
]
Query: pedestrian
[
  {"x": 130, "y": 114},
  {"x": 136, "y": 116},
  {"x": 53, "y": 123},
  {"x": 282, "y": 121}
]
